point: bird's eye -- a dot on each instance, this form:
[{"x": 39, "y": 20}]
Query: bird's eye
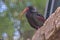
[{"x": 34, "y": 10}]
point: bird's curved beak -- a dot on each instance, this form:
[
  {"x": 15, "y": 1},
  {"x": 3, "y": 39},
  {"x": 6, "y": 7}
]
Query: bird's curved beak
[{"x": 24, "y": 11}]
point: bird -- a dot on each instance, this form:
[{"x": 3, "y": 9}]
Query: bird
[{"x": 35, "y": 19}]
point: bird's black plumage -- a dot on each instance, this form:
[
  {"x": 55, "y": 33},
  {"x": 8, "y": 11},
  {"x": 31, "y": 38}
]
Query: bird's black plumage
[{"x": 35, "y": 19}]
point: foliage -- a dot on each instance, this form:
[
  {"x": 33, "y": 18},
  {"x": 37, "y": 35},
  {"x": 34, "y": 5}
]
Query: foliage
[{"x": 16, "y": 6}]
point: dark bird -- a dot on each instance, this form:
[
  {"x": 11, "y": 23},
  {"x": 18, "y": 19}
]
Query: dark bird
[{"x": 35, "y": 19}]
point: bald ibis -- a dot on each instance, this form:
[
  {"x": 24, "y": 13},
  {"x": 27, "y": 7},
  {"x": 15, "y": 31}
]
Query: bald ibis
[{"x": 35, "y": 19}]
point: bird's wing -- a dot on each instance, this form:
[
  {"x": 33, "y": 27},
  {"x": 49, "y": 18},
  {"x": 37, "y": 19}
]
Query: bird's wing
[{"x": 39, "y": 19}]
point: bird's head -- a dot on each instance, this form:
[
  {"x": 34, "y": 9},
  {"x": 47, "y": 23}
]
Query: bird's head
[
  {"x": 32, "y": 9},
  {"x": 28, "y": 9}
]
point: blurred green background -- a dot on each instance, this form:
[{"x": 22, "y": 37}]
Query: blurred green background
[{"x": 14, "y": 7}]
